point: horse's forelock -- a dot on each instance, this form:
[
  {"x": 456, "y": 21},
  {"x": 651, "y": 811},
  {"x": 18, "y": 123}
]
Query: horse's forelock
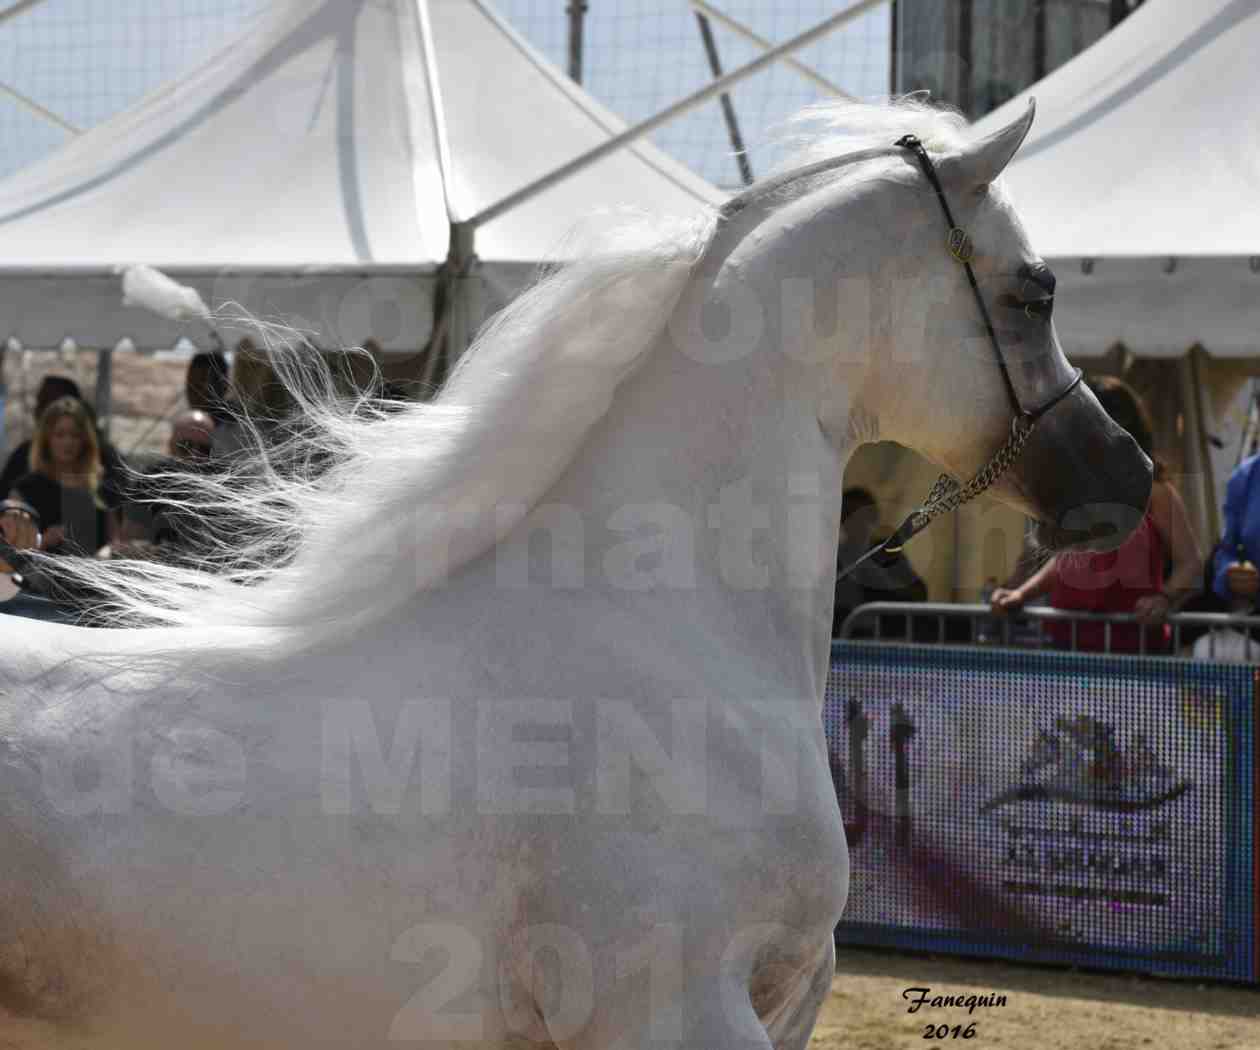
[{"x": 841, "y": 126}]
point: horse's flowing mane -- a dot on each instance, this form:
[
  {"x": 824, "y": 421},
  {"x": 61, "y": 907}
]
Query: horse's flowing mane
[
  {"x": 835, "y": 128},
  {"x": 354, "y": 509}
]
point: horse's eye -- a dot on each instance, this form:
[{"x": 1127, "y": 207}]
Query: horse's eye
[
  {"x": 1038, "y": 308},
  {"x": 1037, "y": 281}
]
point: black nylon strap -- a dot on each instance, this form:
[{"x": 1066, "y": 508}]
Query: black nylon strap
[
  {"x": 960, "y": 248},
  {"x": 912, "y": 143},
  {"x": 879, "y": 548}
]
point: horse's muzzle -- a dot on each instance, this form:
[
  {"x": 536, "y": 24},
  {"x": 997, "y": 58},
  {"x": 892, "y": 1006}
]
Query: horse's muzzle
[
  {"x": 1098, "y": 527},
  {"x": 1087, "y": 477}
]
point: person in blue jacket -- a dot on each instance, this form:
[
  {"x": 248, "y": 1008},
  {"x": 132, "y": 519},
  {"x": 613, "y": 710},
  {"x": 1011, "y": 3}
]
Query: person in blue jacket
[{"x": 1235, "y": 579}]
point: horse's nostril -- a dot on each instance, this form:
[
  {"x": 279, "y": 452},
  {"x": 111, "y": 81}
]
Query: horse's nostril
[{"x": 1095, "y": 527}]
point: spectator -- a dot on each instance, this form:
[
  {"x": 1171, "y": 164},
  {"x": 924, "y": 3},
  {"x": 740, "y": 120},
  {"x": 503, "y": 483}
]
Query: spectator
[
  {"x": 151, "y": 517},
  {"x": 190, "y": 446},
  {"x": 255, "y": 394},
  {"x": 19, "y": 462},
  {"x": 1129, "y": 579},
  {"x": 192, "y": 434},
  {"x": 54, "y": 388},
  {"x": 1231, "y": 580},
  {"x": 66, "y": 484},
  {"x": 1235, "y": 579},
  {"x": 1204, "y": 600},
  {"x": 882, "y": 578},
  {"x": 19, "y": 525},
  {"x": 206, "y": 385}
]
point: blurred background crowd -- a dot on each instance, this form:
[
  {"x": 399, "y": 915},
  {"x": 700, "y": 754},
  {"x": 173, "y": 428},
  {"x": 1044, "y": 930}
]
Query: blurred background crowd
[{"x": 67, "y": 489}]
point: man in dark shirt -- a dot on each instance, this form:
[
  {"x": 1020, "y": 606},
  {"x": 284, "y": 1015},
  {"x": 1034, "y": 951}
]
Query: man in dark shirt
[
  {"x": 883, "y": 578},
  {"x": 151, "y": 514}
]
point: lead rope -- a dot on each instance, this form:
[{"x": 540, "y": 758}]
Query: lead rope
[{"x": 948, "y": 494}]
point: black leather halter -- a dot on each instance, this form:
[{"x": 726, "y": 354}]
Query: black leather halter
[
  {"x": 947, "y": 494},
  {"x": 960, "y": 248}
]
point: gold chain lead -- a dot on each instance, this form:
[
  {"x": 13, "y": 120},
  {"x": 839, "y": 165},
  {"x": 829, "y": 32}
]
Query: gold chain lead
[{"x": 948, "y": 495}]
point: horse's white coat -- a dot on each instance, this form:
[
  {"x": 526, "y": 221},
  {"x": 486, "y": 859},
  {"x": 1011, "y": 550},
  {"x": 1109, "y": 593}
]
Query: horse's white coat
[{"x": 577, "y": 793}]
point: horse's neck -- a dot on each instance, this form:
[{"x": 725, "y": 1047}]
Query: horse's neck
[
  {"x": 702, "y": 510},
  {"x": 710, "y": 502},
  {"x": 689, "y": 545},
  {"x": 691, "y": 541}
]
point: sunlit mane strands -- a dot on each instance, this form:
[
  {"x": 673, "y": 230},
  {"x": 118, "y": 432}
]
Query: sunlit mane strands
[
  {"x": 373, "y": 525},
  {"x": 836, "y": 128}
]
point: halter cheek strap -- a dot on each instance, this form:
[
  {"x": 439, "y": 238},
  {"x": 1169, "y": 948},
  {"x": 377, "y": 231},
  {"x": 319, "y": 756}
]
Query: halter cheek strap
[
  {"x": 961, "y": 248},
  {"x": 947, "y": 494}
]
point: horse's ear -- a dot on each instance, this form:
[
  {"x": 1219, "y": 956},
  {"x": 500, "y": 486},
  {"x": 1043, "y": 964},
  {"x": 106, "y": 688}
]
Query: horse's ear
[{"x": 985, "y": 159}]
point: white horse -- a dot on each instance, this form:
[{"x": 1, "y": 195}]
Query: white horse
[{"x": 520, "y": 741}]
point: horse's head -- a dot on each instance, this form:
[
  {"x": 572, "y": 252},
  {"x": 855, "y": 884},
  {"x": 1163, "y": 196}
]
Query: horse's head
[{"x": 944, "y": 387}]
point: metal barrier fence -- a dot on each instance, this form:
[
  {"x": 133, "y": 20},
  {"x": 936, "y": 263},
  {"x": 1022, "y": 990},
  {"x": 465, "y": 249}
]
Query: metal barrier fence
[
  {"x": 976, "y": 624},
  {"x": 1049, "y": 806}
]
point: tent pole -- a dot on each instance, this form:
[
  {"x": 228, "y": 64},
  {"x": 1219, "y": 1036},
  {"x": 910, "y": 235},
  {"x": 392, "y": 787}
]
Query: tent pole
[
  {"x": 464, "y": 259},
  {"x": 1211, "y": 512},
  {"x": 4, "y": 391},
  {"x": 576, "y": 10},
  {"x": 728, "y": 105},
  {"x": 955, "y": 586},
  {"x": 696, "y": 98},
  {"x": 963, "y": 60},
  {"x": 453, "y": 330},
  {"x": 17, "y": 9},
  {"x": 761, "y": 43},
  {"x": 893, "y": 69},
  {"x": 1198, "y": 497},
  {"x": 1039, "y": 39},
  {"x": 31, "y": 106},
  {"x": 26, "y": 103},
  {"x": 437, "y": 109},
  {"x": 104, "y": 388},
  {"x": 437, "y": 339}
]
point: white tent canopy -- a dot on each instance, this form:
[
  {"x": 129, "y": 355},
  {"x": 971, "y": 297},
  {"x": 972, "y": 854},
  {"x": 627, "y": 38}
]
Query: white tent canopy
[
  {"x": 312, "y": 172},
  {"x": 1140, "y": 178}
]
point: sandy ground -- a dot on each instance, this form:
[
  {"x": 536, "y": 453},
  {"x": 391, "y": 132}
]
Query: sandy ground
[{"x": 1046, "y": 1009}]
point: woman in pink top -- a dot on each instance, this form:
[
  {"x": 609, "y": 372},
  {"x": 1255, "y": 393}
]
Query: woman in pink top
[{"x": 1131, "y": 578}]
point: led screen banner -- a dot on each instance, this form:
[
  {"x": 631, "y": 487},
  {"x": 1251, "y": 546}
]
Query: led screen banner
[{"x": 1087, "y": 809}]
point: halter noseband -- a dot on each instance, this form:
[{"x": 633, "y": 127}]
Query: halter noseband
[{"x": 947, "y": 494}]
